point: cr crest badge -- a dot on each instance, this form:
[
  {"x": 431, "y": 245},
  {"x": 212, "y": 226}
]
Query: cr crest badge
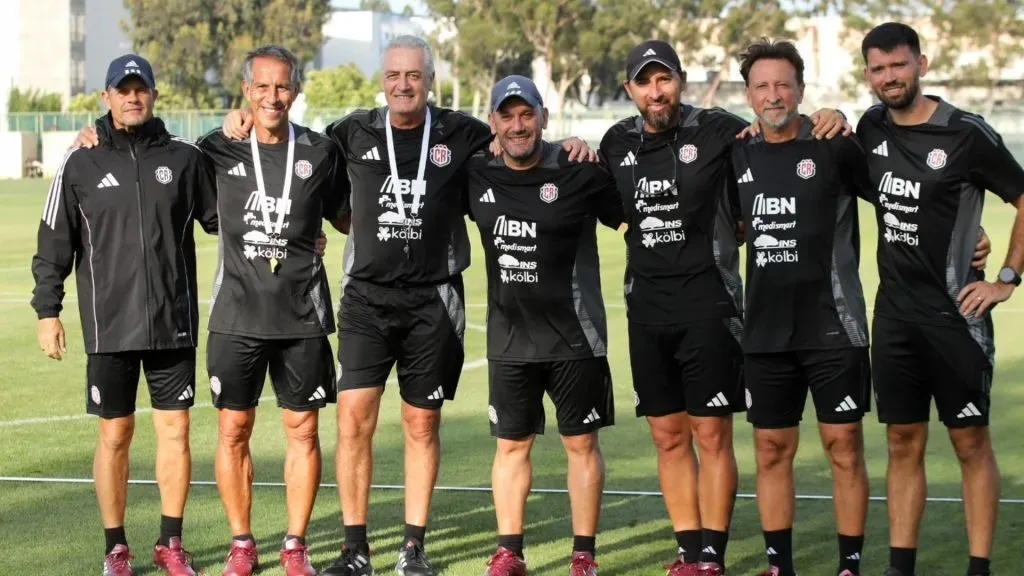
[
  {"x": 549, "y": 193},
  {"x": 164, "y": 175}
]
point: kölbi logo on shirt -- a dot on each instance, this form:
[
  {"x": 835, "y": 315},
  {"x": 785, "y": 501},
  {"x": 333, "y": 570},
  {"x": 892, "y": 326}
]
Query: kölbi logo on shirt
[
  {"x": 393, "y": 225},
  {"x": 657, "y": 231},
  {"x": 514, "y": 270},
  {"x": 898, "y": 231},
  {"x": 771, "y": 250}
]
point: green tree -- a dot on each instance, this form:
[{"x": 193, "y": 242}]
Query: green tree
[
  {"x": 341, "y": 87},
  {"x": 32, "y": 100},
  {"x": 198, "y": 46},
  {"x": 170, "y": 97},
  {"x": 91, "y": 102}
]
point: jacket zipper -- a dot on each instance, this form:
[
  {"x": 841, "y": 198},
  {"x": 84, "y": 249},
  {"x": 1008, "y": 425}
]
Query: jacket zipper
[{"x": 142, "y": 239}]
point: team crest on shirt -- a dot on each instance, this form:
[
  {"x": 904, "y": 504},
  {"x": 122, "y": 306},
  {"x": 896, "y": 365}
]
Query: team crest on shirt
[
  {"x": 440, "y": 155},
  {"x": 688, "y": 153},
  {"x": 303, "y": 169},
  {"x": 936, "y": 159},
  {"x": 806, "y": 168},
  {"x": 164, "y": 175},
  {"x": 549, "y": 193}
]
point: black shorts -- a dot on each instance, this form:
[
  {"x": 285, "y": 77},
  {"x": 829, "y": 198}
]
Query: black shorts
[
  {"x": 112, "y": 381},
  {"x": 777, "y": 385},
  {"x": 695, "y": 367},
  {"x": 913, "y": 363},
  {"x": 419, "y": 328},
  {"x": 301, "y": 371},
  {"x": 581, "y": 391}
]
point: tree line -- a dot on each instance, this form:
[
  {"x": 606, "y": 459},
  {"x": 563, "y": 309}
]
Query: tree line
[{"x": 574, "y": 49}]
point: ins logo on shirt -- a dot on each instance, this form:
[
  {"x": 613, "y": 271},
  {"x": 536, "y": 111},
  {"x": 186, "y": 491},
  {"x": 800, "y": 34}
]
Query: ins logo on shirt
[
  {"x": 771, "y": 250},
  {"x": 657, "y": 231},
  {"x": 894, "y": 196},
  {"x": 516, "y": 271}
]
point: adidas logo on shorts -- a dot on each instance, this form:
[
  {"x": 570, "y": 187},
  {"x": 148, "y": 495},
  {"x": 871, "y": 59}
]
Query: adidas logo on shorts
[
  {"x": 592, "y": 417},
  {"x": 968, "y": 411},
  {"x": 709, "y": 550},
  {"x": 847, "y": 405},
  {"x": 437, "y": 394},
  {"x": 718, "y": 402},
  {"x": 771, "y": 551},
  {"x": 318, "y": 394},
  {"x": 187, "y": 394}
]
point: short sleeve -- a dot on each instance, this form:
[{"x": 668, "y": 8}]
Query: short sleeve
[{"x": 992, "y": 165}]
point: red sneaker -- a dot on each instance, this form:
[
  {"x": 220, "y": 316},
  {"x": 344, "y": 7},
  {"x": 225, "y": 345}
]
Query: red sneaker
[
  {"x": 242, "y": 560},
  {"x": 710, "y": 569},
  {"x": 173, "y": 559},
  {"x": 582, "y": 564},
  {"x": 772, "y": 571},
  {"x": 294, "y": 559},
  {"x": 680, "y": 568},
  {"x": 118, "y": 562},
  {"x": 505, "y": 563}
]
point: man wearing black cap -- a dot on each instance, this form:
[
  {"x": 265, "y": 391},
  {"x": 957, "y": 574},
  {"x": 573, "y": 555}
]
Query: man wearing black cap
[
  {"x": 672, "y": 168},
  {"x": 546, "y": 330},
  {"x": 122, "y": 214}
]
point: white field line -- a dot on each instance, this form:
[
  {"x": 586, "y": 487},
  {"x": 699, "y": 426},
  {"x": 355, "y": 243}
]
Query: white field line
[
  {"x": 54, "y": 419},
  {"x": 44, "y": 480}
]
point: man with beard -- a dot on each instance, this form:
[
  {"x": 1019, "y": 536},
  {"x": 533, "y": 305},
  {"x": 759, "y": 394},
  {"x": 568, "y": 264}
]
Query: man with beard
[
  {"x": 671, "y": 165},
  {"x": 933, "y": 336},
  {"x": 402, "y": 298},
  {"x": 546, "y": 328},
  {"x": 805, "y": 323}
]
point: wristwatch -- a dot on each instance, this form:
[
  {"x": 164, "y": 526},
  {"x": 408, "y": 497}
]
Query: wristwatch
[{"x": 1009, "y": 276}]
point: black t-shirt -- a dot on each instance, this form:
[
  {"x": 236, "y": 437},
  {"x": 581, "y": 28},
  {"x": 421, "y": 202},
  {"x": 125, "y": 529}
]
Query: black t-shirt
[
  {"x": 930, "y": 181},
  {"x": 799, "y": 203},
  {"x": 538, "y": 229},
  {"x": 271, "y": 284},
  {"x": 682, "y": 257},
  {"x": 423, "y": 240}
]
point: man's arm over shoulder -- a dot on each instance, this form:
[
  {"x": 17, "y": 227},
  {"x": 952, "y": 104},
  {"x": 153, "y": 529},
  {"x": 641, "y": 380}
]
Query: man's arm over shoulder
[
  {"x": 58, "y": 240},
  {"x": 337, "y": 200},
  {"x": 607, "y": 201}
]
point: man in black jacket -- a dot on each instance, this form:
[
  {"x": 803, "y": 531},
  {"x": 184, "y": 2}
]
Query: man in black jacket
[{"x": 122, "y": 214}]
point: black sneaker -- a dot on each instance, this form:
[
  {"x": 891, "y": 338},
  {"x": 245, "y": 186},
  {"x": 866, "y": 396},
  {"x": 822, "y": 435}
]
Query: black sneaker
[
  {"x": 351, "y": 563},
  {"x": 412, "y": 561}
]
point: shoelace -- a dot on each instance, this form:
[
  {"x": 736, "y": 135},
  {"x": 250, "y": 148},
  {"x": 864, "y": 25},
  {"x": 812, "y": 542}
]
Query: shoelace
[
  {"x": 180, "y": 555},
  {"x": 296, "y": 555},
  {"x": 247, "y": 555},
  {"x": 348, "y": 557},
  {"x": 503, "y": 560},
  {"x": 417, "y": 554},
  {"x": 581, "y": 565},
  {"x": 120, "y": 561},
  {"x": 680, "y": 568}
]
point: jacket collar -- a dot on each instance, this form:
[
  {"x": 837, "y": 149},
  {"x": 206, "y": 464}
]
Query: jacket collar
[{"x": 151, "y": 134}]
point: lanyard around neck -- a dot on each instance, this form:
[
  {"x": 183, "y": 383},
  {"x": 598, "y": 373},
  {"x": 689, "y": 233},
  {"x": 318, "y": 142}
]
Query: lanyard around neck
[
  {"x": 282, "y": 203},
  {"x": 420, "y": 170}
]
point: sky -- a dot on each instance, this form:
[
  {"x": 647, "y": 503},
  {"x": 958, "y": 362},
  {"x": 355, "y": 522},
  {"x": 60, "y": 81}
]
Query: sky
[{"x": 418, "y": 6}]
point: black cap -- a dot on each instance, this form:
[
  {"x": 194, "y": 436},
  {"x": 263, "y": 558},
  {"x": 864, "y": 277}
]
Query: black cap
[
  {"x": 515, "y": 87},
  {"x": 130, "y": 65},
  {"x": 652, "y": 51}
]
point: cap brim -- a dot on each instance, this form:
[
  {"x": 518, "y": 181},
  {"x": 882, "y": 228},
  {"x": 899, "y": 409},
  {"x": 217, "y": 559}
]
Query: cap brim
[
  {"x": 525, "y": 98},
  {"x": 124, "y": 76},
  {"x": 643, "y": 64}
]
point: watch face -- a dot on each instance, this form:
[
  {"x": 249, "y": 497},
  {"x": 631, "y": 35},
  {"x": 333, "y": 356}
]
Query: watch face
[{"x": 1007, "y": 276}]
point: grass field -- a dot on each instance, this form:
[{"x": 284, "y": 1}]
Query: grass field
[{"x": 54, "y": 528}]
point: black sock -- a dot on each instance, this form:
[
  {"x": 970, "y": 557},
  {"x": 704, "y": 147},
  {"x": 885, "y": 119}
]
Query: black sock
[
  {"x": 714, "y": 543},
  {"x": 114, "y": 536},
  {"x": 584, "y": 544},
  {"x": 978, "y": 566},
  {"x": 169, "y": 528},
  {"x": 850, "y": 548},
  {"x": 244, "y": 538},
  {"x": 513, "y": 542},
  {"x": 355, "y": 538},
  {"x": 299, "y": 539},
  {"x": 778, "y": 545},
  {"x": 417, "y": 533},
  {"x": 903, "y": 559},
  {"x": 689, "y": 545}
]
